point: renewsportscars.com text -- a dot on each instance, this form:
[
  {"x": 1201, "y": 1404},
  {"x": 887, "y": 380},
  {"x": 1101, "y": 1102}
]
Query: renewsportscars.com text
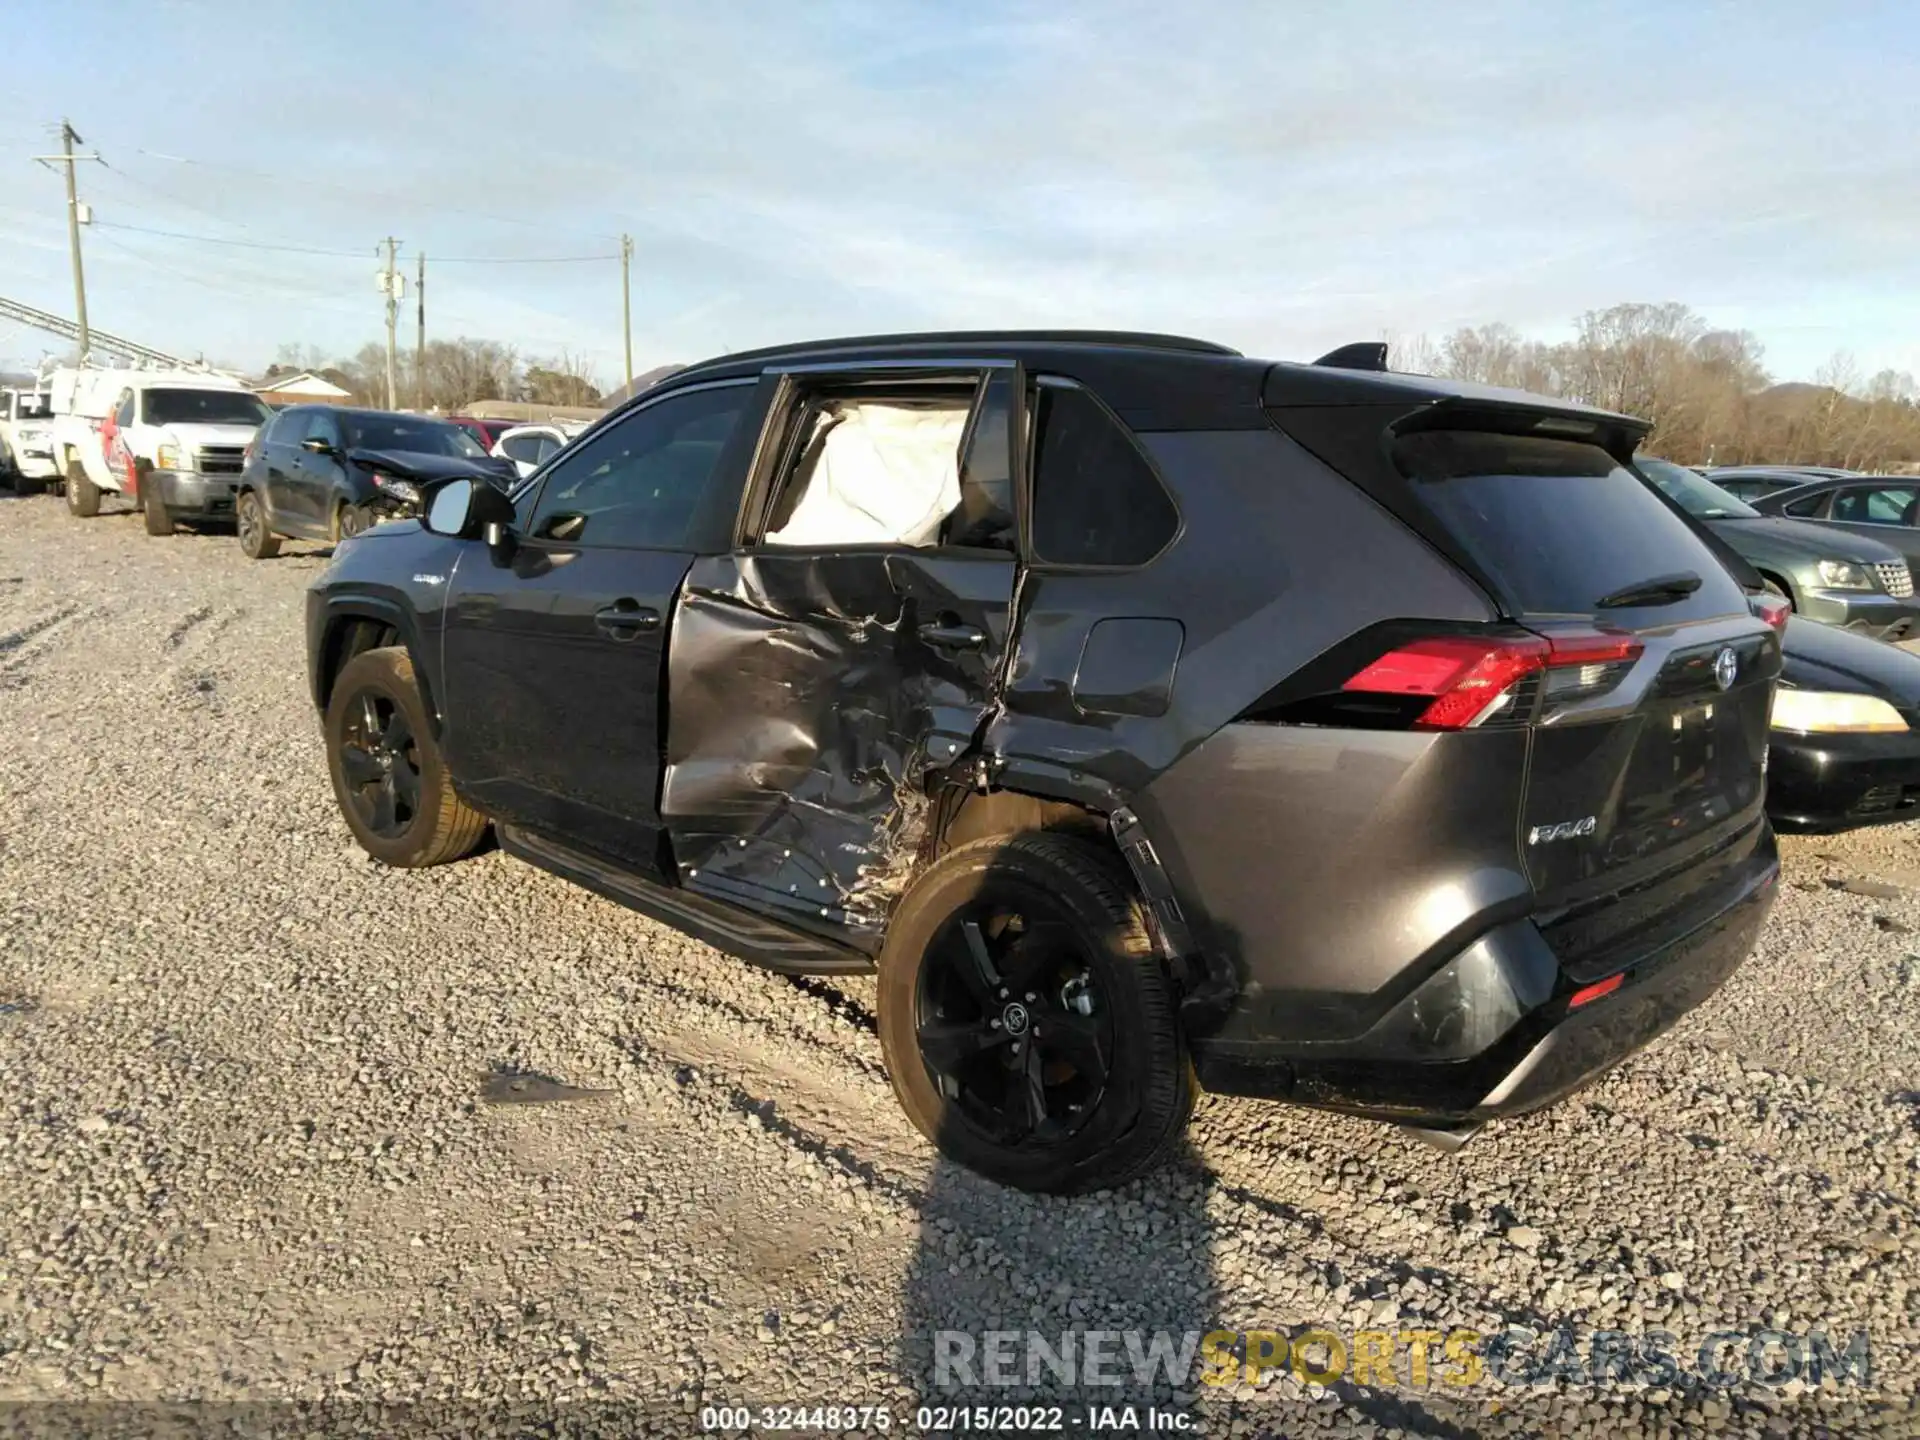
[{"x": 1411, "y": 1358}]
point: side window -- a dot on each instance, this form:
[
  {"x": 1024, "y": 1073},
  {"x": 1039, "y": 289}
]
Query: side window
[
  {"x": 927, "y": 468},
  {"x": 544, "y": 448},
  {"x": 318, "y": 426},
  {"x": 638, "y": 484},
  {"x": 286, "y": 428},
  {"x": 123, "y": 412},
  {"x": 1810, "y": 507},
  {"x": 1890, "y": 506},
  {"x": 1096, "y": 499},
  {"x": 526, "y": 448}
]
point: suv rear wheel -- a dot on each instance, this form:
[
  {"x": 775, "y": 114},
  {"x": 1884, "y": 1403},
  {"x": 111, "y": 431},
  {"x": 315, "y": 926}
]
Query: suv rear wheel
[
  {"x": 83, "y": 496},
  {"x": 388, "y": 774},
  {"x": 257, "y": 542},
  {"x": 1029, "y": 1029}
]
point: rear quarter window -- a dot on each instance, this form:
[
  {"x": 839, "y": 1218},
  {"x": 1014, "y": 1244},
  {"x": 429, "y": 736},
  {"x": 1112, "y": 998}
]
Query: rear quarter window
[
  {"x": 1096, "y": 498},
  {"x": 1558, "y": 524}
]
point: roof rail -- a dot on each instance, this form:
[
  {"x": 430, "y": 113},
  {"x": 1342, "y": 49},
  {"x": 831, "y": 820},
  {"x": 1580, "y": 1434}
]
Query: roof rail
[
  {"x": 1117, "y": 339},
  {"x": 1361, "y": 355}
]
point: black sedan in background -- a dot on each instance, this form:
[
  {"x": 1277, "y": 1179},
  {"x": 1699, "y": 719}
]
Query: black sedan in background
[
  {"x": 1845, "y": 740},
  {"x": 322, "y": 472}
]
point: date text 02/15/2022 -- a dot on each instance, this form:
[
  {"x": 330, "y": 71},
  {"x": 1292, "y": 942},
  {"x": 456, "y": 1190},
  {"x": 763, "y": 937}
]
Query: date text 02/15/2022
[{"x": 946, "y": 1419}]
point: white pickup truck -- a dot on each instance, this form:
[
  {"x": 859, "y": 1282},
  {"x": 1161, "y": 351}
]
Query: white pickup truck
[
  {"x": 26, "y": 440},
  {"x": 172, "y": 441}
]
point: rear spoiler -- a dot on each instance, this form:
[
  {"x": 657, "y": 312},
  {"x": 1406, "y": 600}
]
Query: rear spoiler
[{"x": 1361, "y": 355}]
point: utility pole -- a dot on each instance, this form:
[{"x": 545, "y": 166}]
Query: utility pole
[
  {"x": 626, "y": 299},
  {"x": 390, "y": 283},
  {"x": 75, "y": 213},
  {"x": 420, "y": 336}
]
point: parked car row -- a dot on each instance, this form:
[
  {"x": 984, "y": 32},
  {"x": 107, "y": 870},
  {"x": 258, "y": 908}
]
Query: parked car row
[{"x": 192, "y": 447}]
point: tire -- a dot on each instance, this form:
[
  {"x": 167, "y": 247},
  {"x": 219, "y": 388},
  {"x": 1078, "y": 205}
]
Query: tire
[
  {"x": 153, "y": 509},
  {"x": 83, "y": 496},
  {"x": 430, "y": 825},
  {"x": 257, "y": 542},
  {"x": 352, "y": 520},
  {"x": 1079, "y": 918}
]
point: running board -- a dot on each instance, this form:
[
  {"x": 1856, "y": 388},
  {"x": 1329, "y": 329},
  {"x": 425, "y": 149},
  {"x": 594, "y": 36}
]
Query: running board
[
  {"x": 753, "y": 938},
  {"x": 1447, "y": 1142}
]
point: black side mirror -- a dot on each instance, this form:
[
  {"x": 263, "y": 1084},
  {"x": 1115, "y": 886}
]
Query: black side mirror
[{"x": 467, "y": 509}]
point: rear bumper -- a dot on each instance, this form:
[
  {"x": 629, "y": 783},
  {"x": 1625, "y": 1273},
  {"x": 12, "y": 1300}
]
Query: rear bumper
[
  {"x": 1839, "y": 782},
  {"x": 1881, "y": 616},
  {"x": 189, "y": 495},
  {"x": 1540, "y": 1055}
]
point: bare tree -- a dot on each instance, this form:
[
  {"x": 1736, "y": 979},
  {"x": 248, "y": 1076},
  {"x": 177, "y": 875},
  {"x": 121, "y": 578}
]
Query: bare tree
[
  {"x": 1706, "y": 391},
  {"x": 565, "y": 380}
]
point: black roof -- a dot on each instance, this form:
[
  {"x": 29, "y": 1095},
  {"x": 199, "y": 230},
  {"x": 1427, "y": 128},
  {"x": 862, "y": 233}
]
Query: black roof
[
  {"x": 371, "y": 410},
  {"x": 1154, "y": 382}
]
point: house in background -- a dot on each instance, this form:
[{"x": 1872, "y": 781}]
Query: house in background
[{"x": 299, "y": 388}]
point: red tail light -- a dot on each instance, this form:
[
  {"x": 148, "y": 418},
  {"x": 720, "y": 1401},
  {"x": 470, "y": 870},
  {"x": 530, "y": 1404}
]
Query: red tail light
[
  {"x": 1471, "y": 677},
  {"x": 1595, "y": 991},
  {"x": 1772, "y": 609}
]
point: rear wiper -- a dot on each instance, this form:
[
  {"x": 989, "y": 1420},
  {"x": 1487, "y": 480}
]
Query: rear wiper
[{"x": 1661, "y": 590}]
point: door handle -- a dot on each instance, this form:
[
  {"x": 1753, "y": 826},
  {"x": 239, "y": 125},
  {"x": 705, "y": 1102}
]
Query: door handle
[
  {"x": 953, "y": 635},
  {"x": 625, "y": 619}
]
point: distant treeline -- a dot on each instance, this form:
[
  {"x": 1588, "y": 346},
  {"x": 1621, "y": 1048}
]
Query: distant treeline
[{"x": 1706, "y": 391}]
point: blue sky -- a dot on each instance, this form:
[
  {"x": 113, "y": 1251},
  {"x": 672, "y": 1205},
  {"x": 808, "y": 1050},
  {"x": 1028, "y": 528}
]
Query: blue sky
[{"x": 1282, "y": 175}]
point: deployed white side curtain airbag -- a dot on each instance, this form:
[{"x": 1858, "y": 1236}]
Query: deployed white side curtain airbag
[{"x": 880, "y": 475}]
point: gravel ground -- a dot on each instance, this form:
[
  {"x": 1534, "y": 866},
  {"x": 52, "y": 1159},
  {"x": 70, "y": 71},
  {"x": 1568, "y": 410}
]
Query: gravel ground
[{"x": 246, "y": 1156}]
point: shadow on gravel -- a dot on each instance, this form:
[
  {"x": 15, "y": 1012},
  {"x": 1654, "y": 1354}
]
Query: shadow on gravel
[{"x": 1022, "y": 1300}]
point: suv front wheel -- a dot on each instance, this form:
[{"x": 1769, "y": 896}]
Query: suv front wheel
[
  {"x": 257, "y": 542},
  {"x": 388, "y": 773},
  {"x": 1029, "y": 1029}
]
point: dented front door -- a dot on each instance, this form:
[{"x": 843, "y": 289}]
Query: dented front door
[{"x": 810, "y": 695}]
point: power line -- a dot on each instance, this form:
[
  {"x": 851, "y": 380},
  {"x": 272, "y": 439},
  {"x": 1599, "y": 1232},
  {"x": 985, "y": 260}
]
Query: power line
[
  {"x": 399, "y": 197},
  {"x": 521, "y": 259},
  {"x": 355, "y": 254},
  {"x": 239, "y": 244}
]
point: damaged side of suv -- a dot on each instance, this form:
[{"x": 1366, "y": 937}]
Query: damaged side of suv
[{"x": 1147, "y": 715}]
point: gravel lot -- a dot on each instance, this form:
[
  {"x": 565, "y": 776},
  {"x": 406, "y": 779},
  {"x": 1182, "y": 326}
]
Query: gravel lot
[{"x": 246, "y": 1158}]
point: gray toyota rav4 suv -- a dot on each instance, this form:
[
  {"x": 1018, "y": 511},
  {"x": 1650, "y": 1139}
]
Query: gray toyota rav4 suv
[{"x": 1149, "y": 717}]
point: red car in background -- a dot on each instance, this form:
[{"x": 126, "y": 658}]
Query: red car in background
[{"x": 487, "y": 432}]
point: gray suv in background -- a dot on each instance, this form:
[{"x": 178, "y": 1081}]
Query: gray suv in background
[
  {"x": 1828, "y": 574},
  {"x": 1148, "y": 716}
]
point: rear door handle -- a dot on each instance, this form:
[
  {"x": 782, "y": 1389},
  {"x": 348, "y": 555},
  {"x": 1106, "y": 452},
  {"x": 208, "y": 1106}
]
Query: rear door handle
[
  {"x": 626, "y": 619},
  {"x": 951, "y": 635}
]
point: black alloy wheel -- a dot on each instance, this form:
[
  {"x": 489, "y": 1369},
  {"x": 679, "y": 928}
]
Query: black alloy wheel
[
  {"x": 1028, "y": 1022},
  {"x": 1011, "y": 1024},
  {"x": 380, "y": 763}
]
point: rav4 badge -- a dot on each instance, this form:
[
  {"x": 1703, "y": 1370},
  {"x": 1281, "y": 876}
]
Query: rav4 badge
[{"x": 1565, "y": 830}]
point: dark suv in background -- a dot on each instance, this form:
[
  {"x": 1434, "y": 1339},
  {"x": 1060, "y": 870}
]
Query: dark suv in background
[
  {"x": 1143, "y": 712},
  {"x": 323, "y": 472}
]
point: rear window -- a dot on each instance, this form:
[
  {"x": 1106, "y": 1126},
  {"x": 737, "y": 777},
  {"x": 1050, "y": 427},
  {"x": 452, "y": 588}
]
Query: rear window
[{"x": 1557, "y": 524}]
